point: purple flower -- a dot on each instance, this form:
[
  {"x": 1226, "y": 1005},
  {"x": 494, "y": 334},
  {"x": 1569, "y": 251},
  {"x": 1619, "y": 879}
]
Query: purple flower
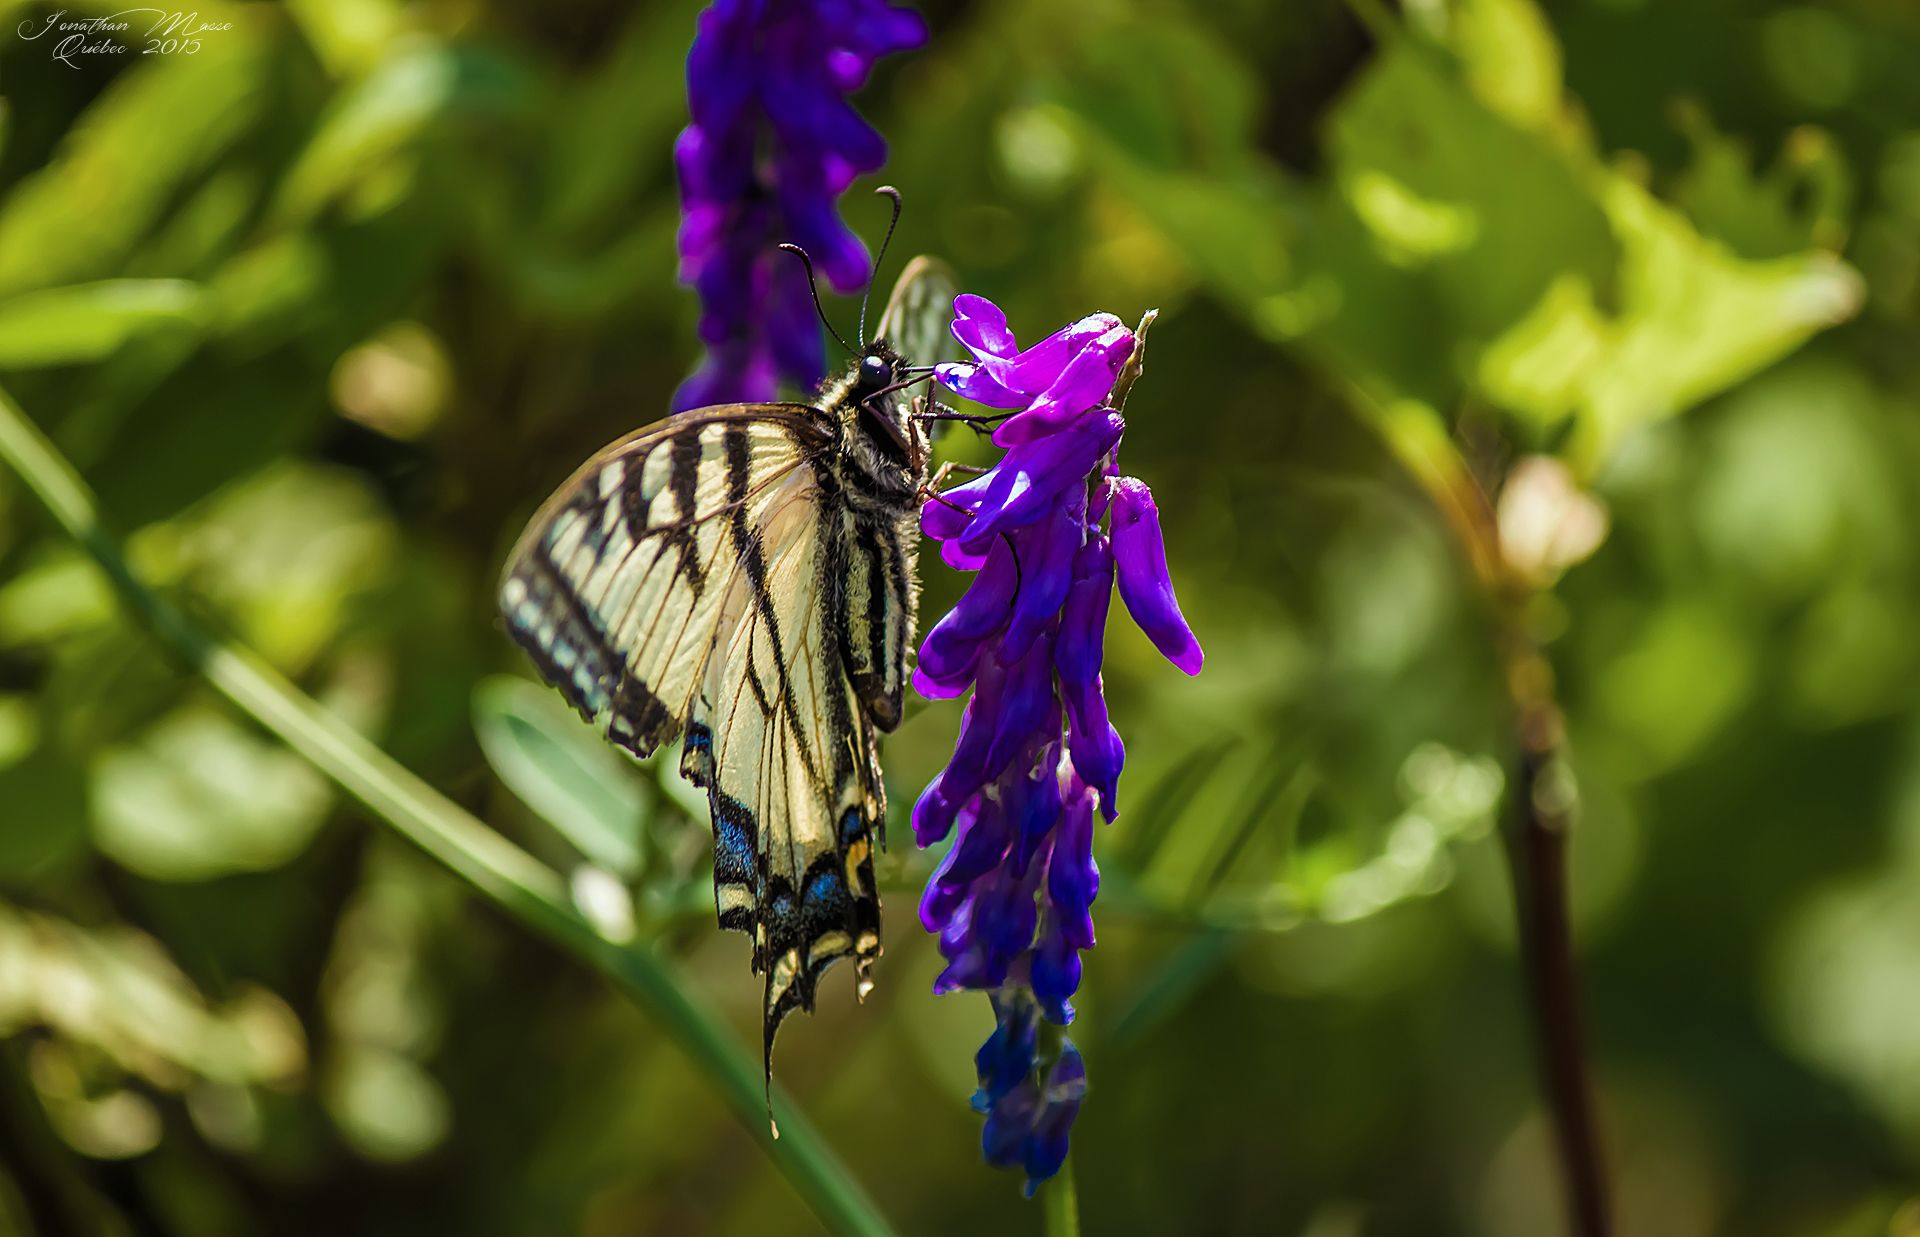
[
  {"x": 1050, "y": 530},
  {"x": 771, "y": 145}
]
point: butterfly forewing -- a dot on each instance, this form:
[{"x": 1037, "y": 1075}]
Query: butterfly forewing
[{"x": 616, "y": 586}]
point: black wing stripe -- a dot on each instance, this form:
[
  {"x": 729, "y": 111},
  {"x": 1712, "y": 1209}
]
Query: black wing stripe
[{"x": 684, "y": 473}]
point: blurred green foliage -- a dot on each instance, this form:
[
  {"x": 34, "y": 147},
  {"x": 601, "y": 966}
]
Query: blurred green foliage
[{"x": 325, "y": 308}]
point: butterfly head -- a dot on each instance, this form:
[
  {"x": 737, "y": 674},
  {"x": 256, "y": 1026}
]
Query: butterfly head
[{"x": 874, "y": 414}]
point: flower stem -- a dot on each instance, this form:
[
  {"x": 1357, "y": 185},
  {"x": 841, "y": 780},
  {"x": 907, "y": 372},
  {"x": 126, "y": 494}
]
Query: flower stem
[
  {"x": 1061, "y": 1199},
  {"x": 1536, "y": 835},
  {"x": 1537, "y": 817},
  {"x": 528, "y": 891}
]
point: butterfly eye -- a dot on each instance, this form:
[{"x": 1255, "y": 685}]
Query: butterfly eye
[{"x": 875, "y": 373}]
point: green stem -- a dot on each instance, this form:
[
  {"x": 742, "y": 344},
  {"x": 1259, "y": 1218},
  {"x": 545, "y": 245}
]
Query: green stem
[
  {"x": 505, "y": 875},
  {"x": 1062, "y": 1201}
]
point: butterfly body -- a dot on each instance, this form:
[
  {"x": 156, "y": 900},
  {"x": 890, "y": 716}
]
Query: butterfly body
[{"x": 745, "y": 576}]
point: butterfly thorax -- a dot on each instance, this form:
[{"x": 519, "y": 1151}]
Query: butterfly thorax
[{"x": 882, "y": 461}]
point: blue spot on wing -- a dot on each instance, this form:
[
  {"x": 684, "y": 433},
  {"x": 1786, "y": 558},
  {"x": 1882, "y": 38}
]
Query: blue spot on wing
[
  {"x": 826, "y": 888},
  {"x": 733, "y": 848}
]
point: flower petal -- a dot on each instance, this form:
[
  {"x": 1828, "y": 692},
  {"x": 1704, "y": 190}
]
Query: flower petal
[
  {"x": 1083, "y": 619},
  {"x": 984, "y": 837},
  {"x": 971, "y": 381},
  {"x": 1145, "y": 586},
  {"x": 1098, "y": 754},
  {"x": 1037, "y": 474},
  {"x": 948, "y": 654},
  {"x": 1037, "y": 368},
  {"x": 1073, "y": 878},
  {"x": 1084, "y": 383},
  {"x": 1027, "y": 707},
  {"x": 1006, "y": 1059},
  {"x": 981, "y": 327},
  {"x": 1046, "y": 572}
]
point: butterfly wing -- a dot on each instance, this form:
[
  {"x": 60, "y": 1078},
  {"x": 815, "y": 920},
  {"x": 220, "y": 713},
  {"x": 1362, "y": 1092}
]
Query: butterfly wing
[
  {"x": 789, "y": 761},
  {"x": 615, "y": 589},
  {"x": 918, "y": 311},
  {"x": 681, "y": 578}
]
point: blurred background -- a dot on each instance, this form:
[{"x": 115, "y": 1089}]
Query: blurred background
[{"x": 325, "y": 307}]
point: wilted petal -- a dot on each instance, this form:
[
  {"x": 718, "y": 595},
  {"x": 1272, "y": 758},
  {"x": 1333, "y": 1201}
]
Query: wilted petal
[
  {"x": 1145, "y": 586},
  {"x": 1006, "y": 1059},
  {"x": 1060, "y": 1103}
]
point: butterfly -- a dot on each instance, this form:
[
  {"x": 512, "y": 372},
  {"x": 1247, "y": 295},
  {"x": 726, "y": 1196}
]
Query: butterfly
[{"x": 745, "y": 575}]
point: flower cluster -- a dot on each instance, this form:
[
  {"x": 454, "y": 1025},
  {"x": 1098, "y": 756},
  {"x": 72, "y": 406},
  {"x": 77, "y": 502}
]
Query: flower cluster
[
  {"x": 772, "y": 144},
  {"x": 1049, "y": 529}
]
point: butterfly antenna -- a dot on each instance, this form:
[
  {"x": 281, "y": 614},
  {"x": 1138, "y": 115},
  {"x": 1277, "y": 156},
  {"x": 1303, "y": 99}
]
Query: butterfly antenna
[
  {"x": 814, "y": 288},
  {"x": 891, "y": 192}
]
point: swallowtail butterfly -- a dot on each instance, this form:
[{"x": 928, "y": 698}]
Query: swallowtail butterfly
[{"x": 745, "y": 575}]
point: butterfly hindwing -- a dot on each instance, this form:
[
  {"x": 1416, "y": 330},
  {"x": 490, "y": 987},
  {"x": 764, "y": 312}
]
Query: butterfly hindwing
[
  {"x": 786, "y": 758},
  {"x": 918, "y": 312}
]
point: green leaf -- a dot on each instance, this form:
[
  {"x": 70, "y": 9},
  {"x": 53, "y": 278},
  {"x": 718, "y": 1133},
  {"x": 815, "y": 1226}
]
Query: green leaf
[
  {"x": 117, "y": 990},
  {"x": 1470, "y": 244},
  {"x": 45, "y": 793},
  {"x": 1695, "y": 319},
  {"x": 89, "y": 322},
  {"x": 375, "y": 121},
  {"x": 199, "y": 796},
  {"x": 151, "y": 134},
  {"x": 562, "y": 769}
]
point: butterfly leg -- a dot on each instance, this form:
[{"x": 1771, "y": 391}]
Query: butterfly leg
[
  {"x": 930, "y": 492},
  {"x": 977, "y": 422}
]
